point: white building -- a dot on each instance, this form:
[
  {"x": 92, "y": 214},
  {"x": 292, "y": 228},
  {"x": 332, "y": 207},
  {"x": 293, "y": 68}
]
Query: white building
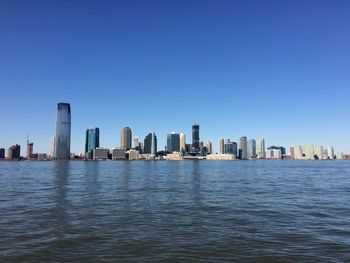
[
  {"x": 260, "y": 149},
  {"x": 298, "y": 152},
  {"x": 318, "y": 151},
  {"x": 308, "y": 151},
  {"x": 223, "y": 157},
  {"x": 330, "y": 152}
]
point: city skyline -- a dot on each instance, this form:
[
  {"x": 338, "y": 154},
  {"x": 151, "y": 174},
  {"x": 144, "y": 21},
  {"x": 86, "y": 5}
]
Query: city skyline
[{"x": 274, "y": 70}]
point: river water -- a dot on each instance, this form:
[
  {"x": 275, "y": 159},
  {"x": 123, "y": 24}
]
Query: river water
[{"x": 175, "y": 211}]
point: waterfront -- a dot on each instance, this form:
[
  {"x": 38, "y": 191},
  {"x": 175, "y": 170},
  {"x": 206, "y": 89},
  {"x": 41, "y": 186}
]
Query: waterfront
[{"x": 272, "y": 211}]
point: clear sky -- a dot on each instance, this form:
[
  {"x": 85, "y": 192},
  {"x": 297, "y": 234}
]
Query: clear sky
[{"x": 273, "y": 69}]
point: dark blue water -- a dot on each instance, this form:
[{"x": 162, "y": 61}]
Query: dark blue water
[{"x": 175, "y": 211}]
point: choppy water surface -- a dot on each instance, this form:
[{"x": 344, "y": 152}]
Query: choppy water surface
[{"x": 180, "y": 211}]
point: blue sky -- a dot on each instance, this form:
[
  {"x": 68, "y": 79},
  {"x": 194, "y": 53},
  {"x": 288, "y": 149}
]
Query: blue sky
[{"x": 273, "y": 69}]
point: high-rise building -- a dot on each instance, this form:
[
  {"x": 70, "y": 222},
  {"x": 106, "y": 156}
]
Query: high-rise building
[
  {"x": 308, "y": 152},
  {"x": 125, "y": 138},
  {"x": 182, "y": 142},
  {"x": 330, "y": 152},
  {"x": 195, "y": 138},
  {"x": 150, "y": 144},
  {"x": 298, "y": 152},
  {"x": 242, "y": 148},
  {"x": 209, "y": 146},
  {"x": 221, "y": 146},
  {"x": 291, "y": 152},
  {"x": 251, "y": 148},
  {"x": 2, "y": 153},
  {"x": 318, "y": 152},
  {"x": 173, "y": 142},
  {"x": 228, "y": 147},
  {"x": 14, "y": 152},
  {"x": 63, "y": 132},
  {"x": 30, "y": 147},
  {"x": 261, "y": 149},
  {"x": 92, "y": 141}
]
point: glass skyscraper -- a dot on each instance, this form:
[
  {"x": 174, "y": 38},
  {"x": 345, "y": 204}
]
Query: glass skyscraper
[
  {"x": 173, "y": 142},
  {"x": 195, "y": 138},
  {"x": 63, "y": 131},
  {"x": 92, "y": 141},
  {"x": 150, "y": 144}
]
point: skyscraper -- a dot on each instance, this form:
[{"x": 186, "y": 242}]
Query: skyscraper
[
  {"x": 221, "y": 146},
  {"x": 92, "y": 141},
  {"x": 2, "y": 153},
  {"x": 251, "y": 148},
  {"x": 330, "y": 152},
  {"x": 291, "y": 152},
  {"x": 195, "y": 138},
  {"x": 173, "y": 142},
  {"x": 125, "y": 138},
  {"x": 14, "y": 152},
  {"x": 150, "y": 144},
  {"x": 63, "y": 132},
  {"x": 30, "y": 147},
  {"x": 182, "y": 142},
  {"x": 261, "y": 149},
  {"x": 242, "y": 148}
]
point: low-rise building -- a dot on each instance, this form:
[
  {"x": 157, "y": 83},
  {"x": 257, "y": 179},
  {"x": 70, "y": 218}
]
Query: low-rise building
[
  {"x": 118, "y": 154},
  {"x": 220, "y": 157},
  {"x": 100, "y": 153}
]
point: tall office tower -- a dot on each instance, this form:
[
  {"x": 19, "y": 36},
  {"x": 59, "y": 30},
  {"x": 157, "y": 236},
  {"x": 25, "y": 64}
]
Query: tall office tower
[
  {"x": 150, "y": 144},
  {"x": 154, "y": 144},
  {"x": 63, "y": 129},
  {"x": 251, "y": 148},
  {"x": 92, "y": 141},
  {"x": 173, "y": 142},
  {"x": 136, "y": 142},
  {"x": 308, "y": 152},
  {"x": 2, "y": 153},
  {"x": 195, "y": 138},
  {"x": 30, "y": 147},
  {"x": 242, "y": 148},
  {"x": 261, "y": 148},
  {"x": 182, "y": 142},
  {"x": 125, "y": 138},
  {"x": 221, "y": 146},
  {"x": 228, "y": 147},
  {"x": 318, "y": 152},
  {"x": 14, "y": 152},
  {"x": 234, "y": 148},
  {"x": 291, "y": 152},
  {"x": 330, "y": 152},
  {"x": 209, "y": 146}
]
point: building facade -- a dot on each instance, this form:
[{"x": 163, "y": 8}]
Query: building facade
[
  {"x": 92, "y": 141},
  {"x": 251, "y": 149},
  {"x": 125, "y": 138},
  {"x": 243, "y": 148},
  {"x": 2, "y": 153},
  {"x": 63, "y": 132},
  {"x": 261, "y": 149},
  {"x": 173, "y": 142},
  {"x": 182, "y": 142},
  {"x": 195, "y": 138},
  {"x": 14, "y": 152},
  {"x": 150, "y": 144}
]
